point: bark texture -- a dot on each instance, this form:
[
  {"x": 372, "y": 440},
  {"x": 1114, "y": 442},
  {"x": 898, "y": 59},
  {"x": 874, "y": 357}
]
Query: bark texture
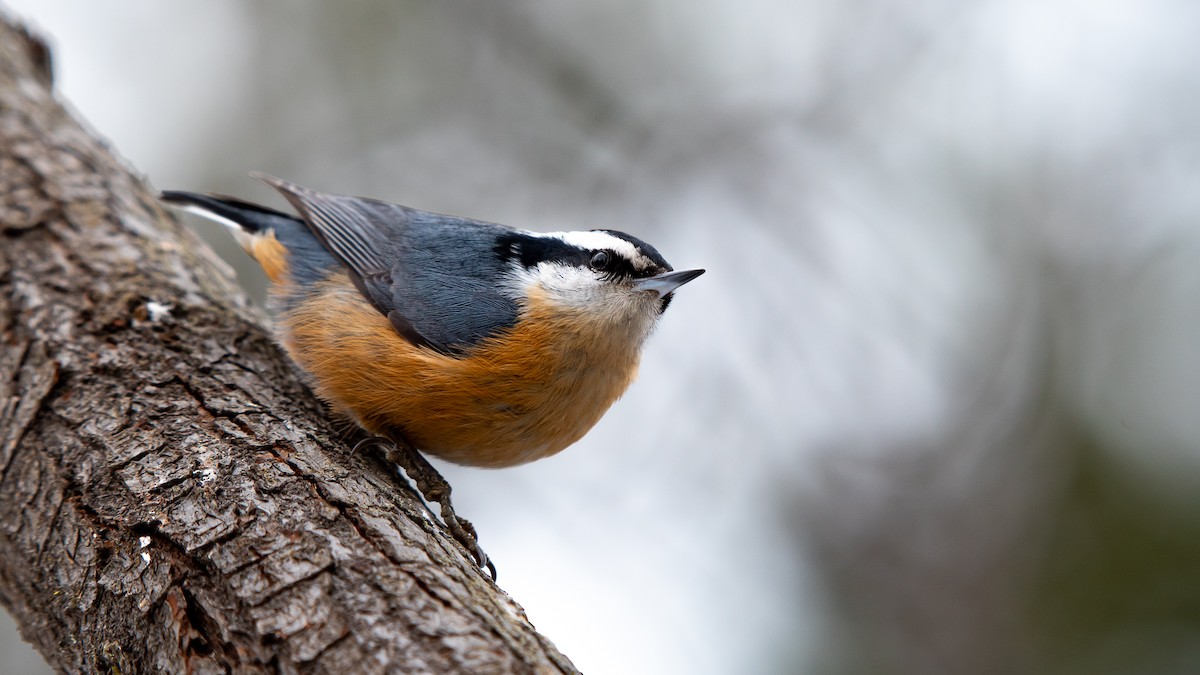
[{"x": 172, "y": 499}]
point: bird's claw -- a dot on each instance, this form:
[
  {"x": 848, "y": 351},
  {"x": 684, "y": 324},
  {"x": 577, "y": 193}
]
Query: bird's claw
[{"x": 431, "y": 487}]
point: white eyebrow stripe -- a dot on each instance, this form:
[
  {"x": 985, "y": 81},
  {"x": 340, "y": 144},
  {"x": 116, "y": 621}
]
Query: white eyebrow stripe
[{"x": 595, "y": 241}]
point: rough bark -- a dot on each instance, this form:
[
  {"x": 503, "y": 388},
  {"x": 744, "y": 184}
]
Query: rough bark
[{"x": 172, "y": 499}]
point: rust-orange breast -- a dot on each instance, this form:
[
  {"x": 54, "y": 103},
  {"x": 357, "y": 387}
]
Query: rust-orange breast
[{"x": 518, "y": 396}]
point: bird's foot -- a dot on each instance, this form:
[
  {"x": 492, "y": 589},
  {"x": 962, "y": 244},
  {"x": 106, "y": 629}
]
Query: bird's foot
[{"x": 432, "y": 488}]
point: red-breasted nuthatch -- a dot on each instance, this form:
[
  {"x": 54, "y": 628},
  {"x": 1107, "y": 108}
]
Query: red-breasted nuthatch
[{"x": 481, "y": 344}]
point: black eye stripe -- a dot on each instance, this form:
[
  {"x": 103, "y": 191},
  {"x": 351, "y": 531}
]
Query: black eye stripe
[
  {"x": 614, "y": 265},
  {"x": 642, "y": 248},
  {"x": 528, "y": 251}
]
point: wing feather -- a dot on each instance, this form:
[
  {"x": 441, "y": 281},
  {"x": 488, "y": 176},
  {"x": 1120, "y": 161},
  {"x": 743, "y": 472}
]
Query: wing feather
[{"x": 435, "y": 277}]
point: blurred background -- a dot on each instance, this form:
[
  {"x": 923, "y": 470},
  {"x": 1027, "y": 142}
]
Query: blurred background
[{"x": 935, "y": 408}]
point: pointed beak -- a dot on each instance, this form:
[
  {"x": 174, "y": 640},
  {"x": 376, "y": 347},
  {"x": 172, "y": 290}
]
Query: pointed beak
[{"x": 666, "y": 283}]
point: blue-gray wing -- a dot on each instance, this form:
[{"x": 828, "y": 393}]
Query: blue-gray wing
[{"x": 435, "y": 277}]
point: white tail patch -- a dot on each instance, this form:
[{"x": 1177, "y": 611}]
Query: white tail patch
[{"x": 244, "y": 238}]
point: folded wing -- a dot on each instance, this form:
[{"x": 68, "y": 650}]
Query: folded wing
[{"x": 437, "y": 278}]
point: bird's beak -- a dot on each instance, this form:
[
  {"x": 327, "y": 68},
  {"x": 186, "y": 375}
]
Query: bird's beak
[{"x": 666, "y": 283}]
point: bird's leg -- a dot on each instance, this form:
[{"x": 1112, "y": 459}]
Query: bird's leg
[{"x": 432, "y": 488}]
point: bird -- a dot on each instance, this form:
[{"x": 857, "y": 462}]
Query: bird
[{"x": 478, "y": 343}]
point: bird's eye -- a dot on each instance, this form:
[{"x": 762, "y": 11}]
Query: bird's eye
[{"x": 599, "y": 261}]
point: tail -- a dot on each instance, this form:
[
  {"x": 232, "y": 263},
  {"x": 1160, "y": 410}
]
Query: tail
[
  {"x": 253, "y": 226},
  {"x": 237, "y": 215},
  {"x": 282, "y": 244}
]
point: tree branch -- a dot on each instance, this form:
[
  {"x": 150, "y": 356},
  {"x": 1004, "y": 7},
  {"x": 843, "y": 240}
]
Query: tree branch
[{"x": 171, "y": 498}]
